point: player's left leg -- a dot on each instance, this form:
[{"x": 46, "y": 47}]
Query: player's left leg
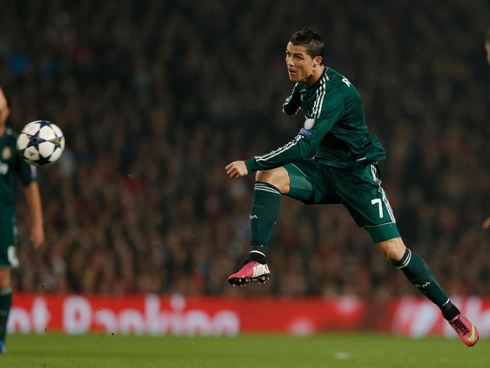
[
  {"x": 371, "y": 209},
  {"x": 361, "y": 192},
  {"x": 419, "y": 274}
]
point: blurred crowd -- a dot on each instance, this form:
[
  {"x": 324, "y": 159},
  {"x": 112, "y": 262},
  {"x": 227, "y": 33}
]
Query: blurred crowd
[{"x": 156, "y": 97}]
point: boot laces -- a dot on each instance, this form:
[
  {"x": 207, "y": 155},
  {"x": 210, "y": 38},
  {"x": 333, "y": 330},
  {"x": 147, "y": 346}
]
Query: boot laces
[{"x": 460, "y": 326}]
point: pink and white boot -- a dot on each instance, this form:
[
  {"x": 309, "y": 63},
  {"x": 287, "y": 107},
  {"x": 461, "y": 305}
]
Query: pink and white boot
[{"x": 252, "y": 271}]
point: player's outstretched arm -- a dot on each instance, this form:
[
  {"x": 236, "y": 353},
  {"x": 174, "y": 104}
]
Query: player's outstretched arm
[
  {"x": 34, "y": 201},
  {"x": 236, "y": 169},
  {"x": 486, "y": 224},
  {"x": 4, "y": 108}
]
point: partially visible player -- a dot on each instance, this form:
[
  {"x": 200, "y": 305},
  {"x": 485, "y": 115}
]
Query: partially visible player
[
  {"x": 343, "y": 170},
  {"x": 486, "y": 224},
  {"x": 12, "y": 166},
  {"x": 487, "y": 45}
]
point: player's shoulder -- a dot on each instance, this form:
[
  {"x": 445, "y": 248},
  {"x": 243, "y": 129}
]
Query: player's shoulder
[
  {"x": 8, "y": 145},
  {"x": 333, "y": 75},
  {"x": 11, "y": 135},
  {"x": 336, "y": 79},
  {"x": 341, "y": 84}
]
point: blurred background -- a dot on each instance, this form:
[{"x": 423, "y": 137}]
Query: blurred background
[{"x": 156, "y": 97}]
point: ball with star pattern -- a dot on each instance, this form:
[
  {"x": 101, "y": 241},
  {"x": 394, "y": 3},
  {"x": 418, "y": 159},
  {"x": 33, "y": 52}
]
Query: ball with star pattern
[{"x": 41, "y": 143}]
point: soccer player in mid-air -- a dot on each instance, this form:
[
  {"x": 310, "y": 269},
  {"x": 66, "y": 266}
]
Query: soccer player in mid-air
[
  {"x": 12, "y": 166},
  {"x": 343, "y": 170}
]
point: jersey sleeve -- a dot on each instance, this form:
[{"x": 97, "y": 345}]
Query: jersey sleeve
[
  {"x": 26, "y": 172},
  {"x": 293, "y": 102},
  {"x": 308, "y": 138}
]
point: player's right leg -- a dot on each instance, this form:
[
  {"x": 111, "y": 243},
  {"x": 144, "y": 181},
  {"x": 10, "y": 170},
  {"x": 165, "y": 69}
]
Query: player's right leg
[
  {"x": 269, "y": 186},
  {"x": 294, "y": 180}
]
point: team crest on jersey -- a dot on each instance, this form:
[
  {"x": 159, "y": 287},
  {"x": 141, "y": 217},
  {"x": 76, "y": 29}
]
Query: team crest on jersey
[
  {"x": 6, "y": 153},
  {"x": 309, "y": 123}
]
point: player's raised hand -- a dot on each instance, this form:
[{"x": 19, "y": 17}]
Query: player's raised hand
[
  {"x": 486, "y": 224},
  {"x": 37, "y": 236},
  {"x": 236, "y": 169},
  {"x": 4, "y": 109}
]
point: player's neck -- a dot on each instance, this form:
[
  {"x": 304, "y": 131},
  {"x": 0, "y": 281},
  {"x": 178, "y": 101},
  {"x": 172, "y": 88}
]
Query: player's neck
[
  {"x": 317, "y": 74},
  {"x": 2, "y": 130}
]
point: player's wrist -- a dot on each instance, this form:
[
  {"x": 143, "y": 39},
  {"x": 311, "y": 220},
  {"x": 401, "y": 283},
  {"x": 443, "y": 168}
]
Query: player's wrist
[
  {"x": 251, "y": 165},
  {"x": 287, "y": 109}
]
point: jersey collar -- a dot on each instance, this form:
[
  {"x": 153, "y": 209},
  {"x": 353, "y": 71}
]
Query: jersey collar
[{"x": 320, "y": 80}]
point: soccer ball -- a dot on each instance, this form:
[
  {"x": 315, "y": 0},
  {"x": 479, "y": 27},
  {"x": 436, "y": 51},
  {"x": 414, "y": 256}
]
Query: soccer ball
[{"x": 41, "y": 143}]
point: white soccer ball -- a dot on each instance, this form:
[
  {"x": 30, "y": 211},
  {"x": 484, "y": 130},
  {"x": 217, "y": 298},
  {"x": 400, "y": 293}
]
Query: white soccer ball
[{"x": 41, "y": 143}]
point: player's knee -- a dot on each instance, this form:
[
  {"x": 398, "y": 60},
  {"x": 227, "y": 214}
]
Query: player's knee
[
  {"x": 262, "y": 176},
  {"x": 273, "y": 177},
  {"x": 393, "y": 249},
  {"x": 267, "y": 176}
]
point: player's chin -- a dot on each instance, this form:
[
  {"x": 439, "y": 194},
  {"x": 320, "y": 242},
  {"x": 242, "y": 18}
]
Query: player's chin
[{"x": 293, "y": 75}]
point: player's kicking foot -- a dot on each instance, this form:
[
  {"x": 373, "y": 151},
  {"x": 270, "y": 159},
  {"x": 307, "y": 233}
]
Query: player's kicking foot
[
  {"x": 466, "y": 330},
  {"x": 251, "y": 272}
]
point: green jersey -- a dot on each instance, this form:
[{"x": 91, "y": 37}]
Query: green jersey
[
  {"x": 11, "y": 166},
  {"x": 335, "y": 127}
]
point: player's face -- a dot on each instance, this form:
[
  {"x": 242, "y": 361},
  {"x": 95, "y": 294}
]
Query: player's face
[
  {"x": 300, "y": 64},
  {"x": 487, "y": 46}
]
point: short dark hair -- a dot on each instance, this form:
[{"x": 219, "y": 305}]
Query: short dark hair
[{"x": 311, "y": 40}]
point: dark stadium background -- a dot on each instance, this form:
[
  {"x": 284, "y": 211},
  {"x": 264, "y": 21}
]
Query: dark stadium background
[{"x": 156, "y": 97}]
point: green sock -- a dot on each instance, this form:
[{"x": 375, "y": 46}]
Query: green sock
[
  {"x": 263, "y": 217},
  {"x": 420, "y": 275},
  {"x": 5, "y": 305}
]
